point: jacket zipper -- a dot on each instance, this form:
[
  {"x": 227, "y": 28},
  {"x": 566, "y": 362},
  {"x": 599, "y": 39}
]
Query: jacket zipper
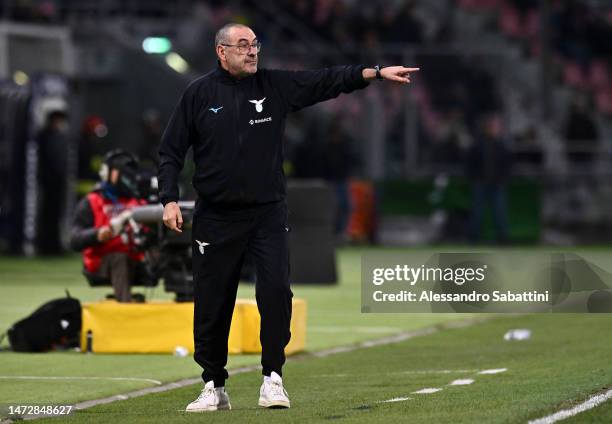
[
  {"x": 241, "y": 182},
  {"x": 237, "y": 119}
]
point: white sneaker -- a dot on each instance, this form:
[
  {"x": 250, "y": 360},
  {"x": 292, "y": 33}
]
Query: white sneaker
[
  {"x": 211, "y": 399},
  {"x": 272, "y": 393}
]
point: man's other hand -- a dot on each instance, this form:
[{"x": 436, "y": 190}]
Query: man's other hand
[{"x": 172, "y": 217}]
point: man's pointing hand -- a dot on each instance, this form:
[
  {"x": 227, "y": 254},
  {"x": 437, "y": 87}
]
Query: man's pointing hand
[{"x": 398, "y": 74}]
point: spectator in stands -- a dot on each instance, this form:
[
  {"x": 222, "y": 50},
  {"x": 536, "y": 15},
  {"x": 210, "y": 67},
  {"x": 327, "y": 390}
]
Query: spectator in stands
[
  {"x": 580, "y": 125},
  {"x": 337, "y": 157},
  {"x": 580, "y": 130},
  {"x": 92, "y": 143},
  {"x": 152, "y": 129},
  {"x": 53, "y": 153},
  {"x": 488, "y": 169},
  {"x": 110, "y": 256}
]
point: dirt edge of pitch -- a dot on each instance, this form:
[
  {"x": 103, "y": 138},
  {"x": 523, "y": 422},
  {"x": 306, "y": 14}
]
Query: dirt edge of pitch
[{"x": 395, "y": 338}]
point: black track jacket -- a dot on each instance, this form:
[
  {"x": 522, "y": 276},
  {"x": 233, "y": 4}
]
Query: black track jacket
[{"x": 236, "y": 128}]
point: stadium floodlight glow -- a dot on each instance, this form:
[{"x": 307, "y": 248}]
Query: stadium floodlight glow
[
  {"x": 20, "y": 78},
  {"x": 176, "y": 62},
  {"x": 156, "y": 45}
]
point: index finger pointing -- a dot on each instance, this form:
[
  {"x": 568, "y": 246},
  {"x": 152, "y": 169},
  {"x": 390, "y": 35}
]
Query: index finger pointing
[{"x": 411, "y": 69}]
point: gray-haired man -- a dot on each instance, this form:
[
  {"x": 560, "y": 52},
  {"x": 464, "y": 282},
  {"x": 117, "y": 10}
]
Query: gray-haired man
[{"x": 234, "y": 117}]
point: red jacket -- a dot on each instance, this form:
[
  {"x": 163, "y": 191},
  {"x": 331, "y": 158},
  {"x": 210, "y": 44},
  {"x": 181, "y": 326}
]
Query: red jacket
[{"x": 103, "y": 211}]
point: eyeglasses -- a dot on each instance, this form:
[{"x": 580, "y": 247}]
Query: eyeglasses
[{"x": 245, "y": 47}]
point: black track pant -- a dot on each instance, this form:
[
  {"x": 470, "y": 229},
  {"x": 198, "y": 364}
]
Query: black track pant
[{"x": 216, "y": 272}]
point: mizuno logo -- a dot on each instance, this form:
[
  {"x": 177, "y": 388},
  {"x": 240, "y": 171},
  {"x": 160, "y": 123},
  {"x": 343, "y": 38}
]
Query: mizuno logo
[
  {"x": 201, "y": 245},
  {"x": 215, "y": 110},
  {"x": 258, "y": 104}
]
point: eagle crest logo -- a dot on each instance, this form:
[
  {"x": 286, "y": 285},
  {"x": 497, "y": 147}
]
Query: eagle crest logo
[{"x": 258, "y": 104}]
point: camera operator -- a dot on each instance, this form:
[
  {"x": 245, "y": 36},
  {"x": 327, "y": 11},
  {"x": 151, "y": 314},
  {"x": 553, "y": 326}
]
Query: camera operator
[{"x": 110, "y": 255}]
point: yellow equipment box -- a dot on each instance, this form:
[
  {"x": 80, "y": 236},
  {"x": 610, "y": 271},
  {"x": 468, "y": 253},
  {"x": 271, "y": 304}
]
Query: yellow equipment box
[{"x": 160, "y": 327}]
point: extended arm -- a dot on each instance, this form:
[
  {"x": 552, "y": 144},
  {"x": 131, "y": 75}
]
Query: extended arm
[
  {"x": 304, "y": 88},
  {"x": 300, "y": 89}
]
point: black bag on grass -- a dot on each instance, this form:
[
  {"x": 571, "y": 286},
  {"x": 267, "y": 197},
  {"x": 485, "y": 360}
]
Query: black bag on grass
[{"x": 56, "y": 324}]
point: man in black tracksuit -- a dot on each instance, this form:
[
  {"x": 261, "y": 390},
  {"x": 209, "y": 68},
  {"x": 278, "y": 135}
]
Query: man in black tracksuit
[{"x": 233, "y": 118}]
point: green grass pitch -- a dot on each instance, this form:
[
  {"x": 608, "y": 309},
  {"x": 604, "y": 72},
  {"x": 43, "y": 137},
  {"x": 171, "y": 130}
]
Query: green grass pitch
[{"x": 566, "y": 360}]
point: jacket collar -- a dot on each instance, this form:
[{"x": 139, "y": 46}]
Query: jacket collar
[{"x": 226, "y": 77}]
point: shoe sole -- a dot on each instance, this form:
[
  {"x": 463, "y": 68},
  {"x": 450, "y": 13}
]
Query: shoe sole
[
  {"x": 279, "y": 404},
  {"x": 212, "y": 409}
]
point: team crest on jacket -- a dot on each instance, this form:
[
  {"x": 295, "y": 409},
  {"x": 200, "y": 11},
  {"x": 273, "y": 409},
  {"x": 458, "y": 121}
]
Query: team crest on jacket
[
  {"x": 201, "y": 245},
  {"x": 258, "y": 104}
]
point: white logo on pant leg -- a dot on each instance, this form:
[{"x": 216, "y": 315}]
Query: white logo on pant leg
[
  {"x": 201, "y": 245},
  {"x": 258, "y": 104}
]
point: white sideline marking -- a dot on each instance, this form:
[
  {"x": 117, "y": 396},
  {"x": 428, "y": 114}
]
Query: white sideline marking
[
  {"x": 34, "y": 377},
  {"x": 407, "y": 372},
  {"x": 590, "y": 403},
  {"x": 396, "y": 338},
  {"x": 329, "y": 375},
  {"x": 458, "y": 382},
  {"x": 493, "y": 371},
  {"x": 437, "y": 371},
  {"x": 427, "y": 391},
  {"x": 365, "y": 330},
  {"x": 333, "y": 351},
  {"x": 397, "y": 399},
  {"x": 461, "y": 382}
]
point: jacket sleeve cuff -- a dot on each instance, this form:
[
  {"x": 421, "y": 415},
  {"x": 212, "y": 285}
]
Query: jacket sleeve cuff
[
  {"x": 165, "y": 200},
  {"x": 357, "y": 80}
]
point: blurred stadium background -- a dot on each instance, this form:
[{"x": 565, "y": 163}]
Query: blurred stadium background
[
  {"x": 542, "y": 66},
  {"x": 534, "y": 75}
]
